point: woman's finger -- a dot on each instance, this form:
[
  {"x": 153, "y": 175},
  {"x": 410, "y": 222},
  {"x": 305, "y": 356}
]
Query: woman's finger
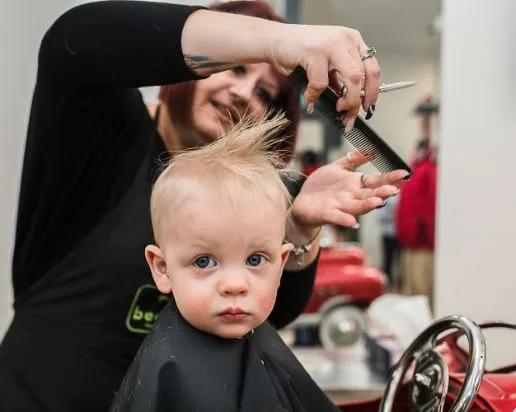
[
  {"x": 375, "y": 180},
  {"x": 317, "y": 73},
  {"x": 372, "y": 77},
  {"x": 353, "y": 78},
  {"x": 344, "y": 211},
  {"x": 386, "y": 191},
  {"x": 339, "y": 217},
  {"x": 335, "y": 82},
  {"x": 383, "y": 192},
  {"x": 352, "y": 160},
  {"x": 356, "y": 206}
]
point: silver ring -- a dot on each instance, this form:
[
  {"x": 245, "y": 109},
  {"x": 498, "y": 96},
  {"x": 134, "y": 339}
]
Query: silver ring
[
  {"x": 363, "y": 179},
  {"x": 344, "y": 90},
  {"x": 370, "y": 52},
  {"x": 350, "y": 161}
]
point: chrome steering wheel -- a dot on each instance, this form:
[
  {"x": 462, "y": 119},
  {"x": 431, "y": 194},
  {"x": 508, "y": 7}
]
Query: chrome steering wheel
[{"x": 430, "y": 380}]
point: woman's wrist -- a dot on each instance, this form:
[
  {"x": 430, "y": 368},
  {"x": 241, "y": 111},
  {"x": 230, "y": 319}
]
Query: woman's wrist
[
  {"x": 305, "y": 241},
  {"x": 298, "y": 232}
]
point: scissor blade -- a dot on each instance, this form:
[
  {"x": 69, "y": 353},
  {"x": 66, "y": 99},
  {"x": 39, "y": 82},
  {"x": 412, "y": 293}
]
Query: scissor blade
[
  {"x": 395, "y": 86},
  {"x": 389, "y": 87}
]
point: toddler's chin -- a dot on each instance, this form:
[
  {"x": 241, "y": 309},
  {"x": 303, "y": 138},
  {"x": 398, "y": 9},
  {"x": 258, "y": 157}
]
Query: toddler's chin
[{"x": 232, "y": 333}]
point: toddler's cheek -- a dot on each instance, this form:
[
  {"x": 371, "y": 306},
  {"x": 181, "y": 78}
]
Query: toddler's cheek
[
  {"x": 265, "y": 304},
  {"x": 195, "y": 309}
]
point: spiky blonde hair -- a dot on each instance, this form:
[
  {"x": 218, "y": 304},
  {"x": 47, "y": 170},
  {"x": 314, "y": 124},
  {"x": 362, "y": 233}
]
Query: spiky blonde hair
[{"x": 241, "y": 165}]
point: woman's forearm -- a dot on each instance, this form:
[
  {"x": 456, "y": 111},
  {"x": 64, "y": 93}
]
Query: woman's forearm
[{"x": 215, "y": 41}]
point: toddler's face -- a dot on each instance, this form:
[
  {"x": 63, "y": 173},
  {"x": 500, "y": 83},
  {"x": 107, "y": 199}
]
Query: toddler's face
[{"x": 222, "y": 265}]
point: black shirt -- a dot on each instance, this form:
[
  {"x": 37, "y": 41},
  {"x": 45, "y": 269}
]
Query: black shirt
[{"x": 84, "y": 296}]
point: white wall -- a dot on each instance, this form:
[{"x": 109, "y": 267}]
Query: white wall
[{"x": 476, "y": 231}]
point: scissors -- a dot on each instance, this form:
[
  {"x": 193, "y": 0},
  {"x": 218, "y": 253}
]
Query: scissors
[
  {"x": 389, "y": 87},
  {"x": 385, "y": 87}
]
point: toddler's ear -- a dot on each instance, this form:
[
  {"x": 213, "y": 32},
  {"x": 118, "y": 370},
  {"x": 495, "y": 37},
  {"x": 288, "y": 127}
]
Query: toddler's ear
[
  {"x": 158, "y": 267},
  {"x": 286, "y": 248}
]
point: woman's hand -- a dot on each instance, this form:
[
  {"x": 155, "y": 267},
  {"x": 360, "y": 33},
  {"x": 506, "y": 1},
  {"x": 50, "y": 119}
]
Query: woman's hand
[
  {"x": 331, "y": 55},
  {"x": 336, "y": 194}
]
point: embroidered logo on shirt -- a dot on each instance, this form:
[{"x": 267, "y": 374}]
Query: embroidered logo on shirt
[{"x": 147, "y": 303}]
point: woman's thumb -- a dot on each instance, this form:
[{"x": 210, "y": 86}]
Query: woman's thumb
[{"x": 317, "y": 73}]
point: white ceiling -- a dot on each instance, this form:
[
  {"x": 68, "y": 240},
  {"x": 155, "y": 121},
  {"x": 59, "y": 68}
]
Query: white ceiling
[{"x": 403, "y": 26}]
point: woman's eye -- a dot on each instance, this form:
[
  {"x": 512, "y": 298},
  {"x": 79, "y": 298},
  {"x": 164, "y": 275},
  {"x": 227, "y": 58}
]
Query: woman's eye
[
  {"x": 203, "y": 262},
  {"x": 264, "y": 96},
  {"x": 239, "y": 70},
  {"x": 256, "y": 260}
]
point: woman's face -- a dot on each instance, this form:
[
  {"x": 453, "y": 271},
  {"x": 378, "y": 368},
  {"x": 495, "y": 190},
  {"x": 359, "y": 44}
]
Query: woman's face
[{"x": 249, "y": 89}]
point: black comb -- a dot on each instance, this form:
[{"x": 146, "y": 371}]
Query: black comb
[{"x": 362, "y": 137}]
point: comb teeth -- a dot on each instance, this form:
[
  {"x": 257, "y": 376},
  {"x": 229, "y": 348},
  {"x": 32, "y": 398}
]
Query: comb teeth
[
  {"x": 362, "y": 137},
  {"x": 371, "y": 145}
]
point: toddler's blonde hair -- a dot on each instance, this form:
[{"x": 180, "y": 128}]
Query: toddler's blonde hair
[{"x": 240, "y": 165}]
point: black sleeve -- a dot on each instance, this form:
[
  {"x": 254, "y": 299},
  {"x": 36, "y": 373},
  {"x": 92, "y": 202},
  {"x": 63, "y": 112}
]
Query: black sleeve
[
  {"x": 293, "y": 295},
  {"x": 111, "y": 44},
  {"x": 296, "y": 286},
  {"x": 89, "y": 129}
]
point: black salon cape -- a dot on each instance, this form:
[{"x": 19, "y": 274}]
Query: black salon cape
[{"x": 181, "y": 369}]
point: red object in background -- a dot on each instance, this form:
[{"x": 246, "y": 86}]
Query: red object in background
[
  {"x": 308, "y": 170},
  {"x": 497, "y": 392},
  {"x": 343, "y": 276},
  {"x": 415, "y": 221}
]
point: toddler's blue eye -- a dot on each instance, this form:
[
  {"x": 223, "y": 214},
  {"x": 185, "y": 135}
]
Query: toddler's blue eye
[
  {"x": 256, "y": 260},
  {"x": 204, "y": 262}
]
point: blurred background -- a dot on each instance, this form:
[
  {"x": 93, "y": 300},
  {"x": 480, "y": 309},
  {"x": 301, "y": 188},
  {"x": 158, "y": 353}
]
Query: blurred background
[{"x": 376, "y": 289}]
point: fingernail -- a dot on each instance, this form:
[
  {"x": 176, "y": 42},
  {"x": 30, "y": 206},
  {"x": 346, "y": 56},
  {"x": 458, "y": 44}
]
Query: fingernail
[
  {"x": 355, "y": 226},
  {"x": 406, "y": 175},
  {"x": 349, "y": 126},
  {"x": 310, "y": 108},
  {"x": 370, "y": 111},
  {"x": 341, "y": 114},
  {"x": 384, "y": 203}
]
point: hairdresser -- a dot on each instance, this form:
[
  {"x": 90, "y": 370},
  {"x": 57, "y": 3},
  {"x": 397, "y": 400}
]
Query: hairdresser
[{"x": 83, "y": 295}]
